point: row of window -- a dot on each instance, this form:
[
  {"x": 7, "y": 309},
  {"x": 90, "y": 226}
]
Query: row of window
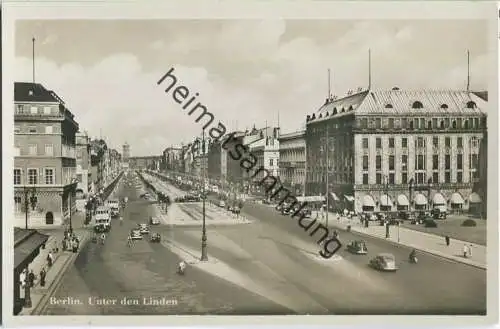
[
  {"x": 419, "y": 178},
  {"x": 33, "y": 150},
  {"x": 31, "y": 109},
  {"x": 422, "y": 123},
  {"x": 421, "y": 162},
  {"x": 32, "y": 176},
  {"x": 420, "y": 142},
  {"x": 18, "y": 207},
  {"x": 38, "y": 129}
]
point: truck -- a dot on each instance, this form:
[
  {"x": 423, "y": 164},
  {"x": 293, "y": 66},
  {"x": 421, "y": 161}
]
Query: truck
[
  {"x": 102, "y": 219},
  {"x": 114, "y": 206}
]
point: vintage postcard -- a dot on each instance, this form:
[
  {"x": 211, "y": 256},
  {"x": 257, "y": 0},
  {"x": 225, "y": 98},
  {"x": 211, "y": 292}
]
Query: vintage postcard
[{"x": 288, "y": 162}]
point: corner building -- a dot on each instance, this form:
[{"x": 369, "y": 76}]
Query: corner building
[{"x": 397, "y": 150}]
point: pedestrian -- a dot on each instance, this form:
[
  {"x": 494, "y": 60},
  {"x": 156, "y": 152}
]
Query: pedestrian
[
  {"x": 31, "y": 278},
  {"x": 50, "y": 259},
  {"x": 470, "y": 250},
  {"x": 447, "y": 239},
  {"x": 43, "y": 274},
  {"x": 465, "y": 250},
  {"x": 22, "y": 278}
]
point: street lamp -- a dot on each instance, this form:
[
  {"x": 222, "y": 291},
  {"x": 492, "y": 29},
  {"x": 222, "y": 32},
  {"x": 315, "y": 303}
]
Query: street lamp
[
  {"x": 204, "y": 256},
  {"x": 29, "y": 200}
]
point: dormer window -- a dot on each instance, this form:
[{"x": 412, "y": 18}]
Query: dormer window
[
  {"x": 351, "y": 108},
  {"x": 388, "y": 106},
  {"x": 471, "y": 105},
  {"x": 320, "y": 116},
  {"x": 335, "y": 110},
  {"x": 343, "y": 110},
  {"x": 444, "y": 106},
  {"x": 327, "y": 114},
  {"x": 417, "y": 105}
]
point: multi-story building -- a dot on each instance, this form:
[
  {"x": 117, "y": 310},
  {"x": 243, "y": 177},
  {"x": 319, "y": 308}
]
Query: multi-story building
[
  {"x": 125, "y": 155},
  {"x": 172, "y": 159},
  {"x": 83, "y": 165},
  {"x": 45, "y": 157},
  {"x": 145, "y": 162},
  {"x": 266, "y": 148},
  {"x": 396, "y": 149},
  {"x": 292, "y": 161}
]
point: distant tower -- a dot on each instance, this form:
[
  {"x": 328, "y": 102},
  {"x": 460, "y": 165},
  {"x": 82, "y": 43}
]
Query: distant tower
[{"x": 126, "y": 152}]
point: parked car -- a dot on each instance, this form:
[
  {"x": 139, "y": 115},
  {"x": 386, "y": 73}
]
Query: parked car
[
  {"x": 222, "y": 204},
  {"x": 357, "y": 247},
  {"x": 384, "y": 262},
  {"x": 155, "y": 237},
  {"x": 439, "y": 213}
]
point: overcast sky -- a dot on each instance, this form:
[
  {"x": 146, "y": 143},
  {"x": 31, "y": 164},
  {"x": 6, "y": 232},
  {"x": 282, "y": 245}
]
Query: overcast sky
[{"x": 245, "y": 71}]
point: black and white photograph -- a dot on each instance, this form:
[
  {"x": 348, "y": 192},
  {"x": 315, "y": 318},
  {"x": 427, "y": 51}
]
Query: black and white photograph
[{"x": 252, "y": 166}]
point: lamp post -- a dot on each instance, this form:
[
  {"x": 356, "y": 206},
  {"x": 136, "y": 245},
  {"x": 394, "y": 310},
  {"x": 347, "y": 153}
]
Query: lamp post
[
  {"x": 204, "y": 256},
  {"x": 29, "y": 200},
  {"x": 386, "y": 190}
]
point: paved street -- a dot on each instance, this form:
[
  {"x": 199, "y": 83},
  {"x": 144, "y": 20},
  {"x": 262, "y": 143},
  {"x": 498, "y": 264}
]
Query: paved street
[{"x": 114, "y": 271}]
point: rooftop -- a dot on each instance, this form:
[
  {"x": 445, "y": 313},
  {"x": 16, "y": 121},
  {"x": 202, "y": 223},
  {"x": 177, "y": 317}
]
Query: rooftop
[{"x": 34, "y": 92}]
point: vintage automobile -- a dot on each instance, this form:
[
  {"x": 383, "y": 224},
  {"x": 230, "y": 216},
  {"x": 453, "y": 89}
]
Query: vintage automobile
[
  {"x": 357, "y": 247},
  {"x": 155, "y": 237},
  {"x": 135, "y": 234},
  {"x": 384, "y": 262},
  {"x": 143, "y": 228},
  {"x": 154, "y": 221},
  {"x": 439, "y": 212}
]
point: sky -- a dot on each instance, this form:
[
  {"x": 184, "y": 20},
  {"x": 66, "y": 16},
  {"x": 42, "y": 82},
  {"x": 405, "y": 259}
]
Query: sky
[{"x": 247, "y": 72}]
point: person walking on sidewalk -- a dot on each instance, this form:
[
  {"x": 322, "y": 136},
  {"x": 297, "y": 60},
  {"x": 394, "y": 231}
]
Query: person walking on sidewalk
[
  {"x": 466, "y": 250},
  {"x": 50, "y": 259},
  {"x": 31, "y": 279},
  {"x": 469, "y": 250},
  {"x": 43, "y": 274},
  {"x": 447, "y": 240}
]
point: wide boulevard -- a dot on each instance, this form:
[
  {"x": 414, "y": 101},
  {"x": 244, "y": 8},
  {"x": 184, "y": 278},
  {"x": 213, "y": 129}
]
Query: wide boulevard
[{"x": 275, "y": 269}]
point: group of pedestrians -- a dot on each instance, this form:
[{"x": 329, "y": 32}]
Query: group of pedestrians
[{"x": 70, "y": 241}]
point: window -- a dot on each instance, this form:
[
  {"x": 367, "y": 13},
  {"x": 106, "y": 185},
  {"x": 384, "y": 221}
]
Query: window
[
  {"x": 447, "y": 123},
  {"x": 420, "y": 162},
  {"x": 365, "y": 162},
  {"x": 404, "y": 162},
  {"x": 378, "y": 178},
  {"x": 47, "y": 110},
  {"x": 474, "y": 142},
  {"x": 365, "y": 143},
  {"x": 459, "y": 177},
  {"x": 32, "y": 149},
  {"x": 271, "y": 162},
  {"x": 391, "y": 123},
  {"x": 420, "y": 177},
  {"x": 378, "y": 123},
  {"x": 391, "y": 162},
  {"x": 460, "y": 162},
  {"x": 378, "y": 143},
  {"x": 460, "y": 142},
  {"x": 404, "y": 142},
  {"x": 404, "y": 178},
  {"x": 447, "y": 162},
  {"x": 388, "y": 106},
  {"x": 17, "y": 129},
  {"x": 447, "y": 142},
  {"x": 17, "y": 176},
  {"x": 435, "y": 141},
  {"x": 49, "y": 149},
  {"x": 364, "y": 123},
  {"x": 32, "y": 176},
  {"x": 17, "y": 204},
  {"x": 391, "y": 179},
  {"x": 32, "y": 129},
  {"x": 415, "y": 123},
  {"x": 434, "y": 123},
  {"x": 49, "y": 129},
  {"x": 471, "y": 105},
  {"x": 420, "y": 142},
  {"x": 422, "y": 123},
  {"x": 34, "y": 110},
  {"x": 19, "y": 109},
  {"x": 404, "y": 123},
  {"x": 365, "y": 179},
  {"x": 435, "y": 162},
  {"x": 435, "y": 177},
  {"x": 378, "y": 162},
  {"x": 49, "y": 176},
  {"x": 391, "y": 142},
  {"x": 474, "y": 161},
  {"x": 417, "y": 105},
  {"x": 476, "y": 123}
]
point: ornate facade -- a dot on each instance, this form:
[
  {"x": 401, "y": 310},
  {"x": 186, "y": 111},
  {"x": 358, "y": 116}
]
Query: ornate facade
[
  {"x": 292, "y": 160},
  {"x": 396, "y": 149}
]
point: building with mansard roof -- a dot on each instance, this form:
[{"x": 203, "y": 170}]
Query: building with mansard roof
[{"x": 396, "y": 149}]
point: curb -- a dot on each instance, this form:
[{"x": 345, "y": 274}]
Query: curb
[
  {"x": 42, "y": 305},
  {"x": 433, "y": 253}
]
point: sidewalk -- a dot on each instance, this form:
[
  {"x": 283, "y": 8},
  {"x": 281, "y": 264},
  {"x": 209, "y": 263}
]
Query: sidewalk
[
  {"x": 426, "y": 242},
  {"x": 62, "y": 259}
]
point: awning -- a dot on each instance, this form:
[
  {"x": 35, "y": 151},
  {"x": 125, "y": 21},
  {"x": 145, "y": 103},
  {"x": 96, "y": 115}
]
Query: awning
[
  {"x": 438, "y": 199},
  {"x": 26, "y": 247},
  {"x": 420, "y": 199},
  {"x": 456, "y": 198},
  {"x": 385, "y": 201},
  {"x": 403, "y": 200},
  {"x": 475, "y": 198},
  {"x": 334, "y": 196},
  {"x": 368, "y": 201},
  {"x": 349, "y": 198}
]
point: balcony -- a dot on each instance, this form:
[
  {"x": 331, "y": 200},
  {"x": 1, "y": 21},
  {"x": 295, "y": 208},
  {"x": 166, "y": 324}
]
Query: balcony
[{"x": 68, "y": 152}]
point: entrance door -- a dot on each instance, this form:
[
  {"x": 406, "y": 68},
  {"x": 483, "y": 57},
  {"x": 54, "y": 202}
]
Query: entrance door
[{"x": 49, "y": 218}]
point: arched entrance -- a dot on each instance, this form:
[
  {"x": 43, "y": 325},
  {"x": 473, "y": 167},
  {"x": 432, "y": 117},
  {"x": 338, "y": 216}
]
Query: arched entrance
[{"x": 49, "y": 218}]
